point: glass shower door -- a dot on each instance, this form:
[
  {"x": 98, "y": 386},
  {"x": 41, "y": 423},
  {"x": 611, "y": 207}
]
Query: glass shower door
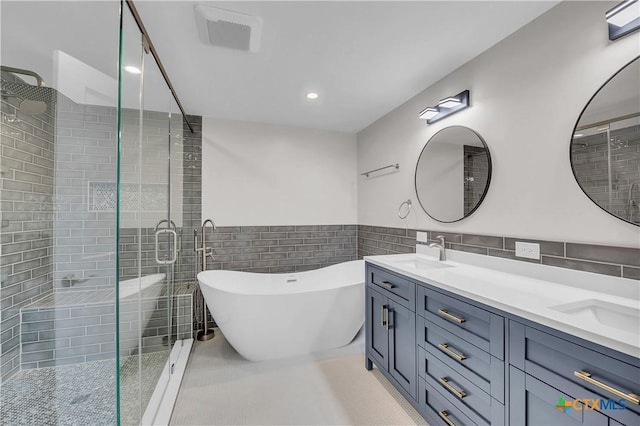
[{"x": 148, "y": 230}]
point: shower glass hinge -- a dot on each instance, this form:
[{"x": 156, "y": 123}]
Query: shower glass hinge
[{"x": 173, "y": 367}]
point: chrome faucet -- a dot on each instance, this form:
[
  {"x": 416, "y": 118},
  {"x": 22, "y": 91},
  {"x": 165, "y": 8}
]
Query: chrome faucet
[
  {"x": 203, "y": 249},
  {"x": 441, "y": 246}
]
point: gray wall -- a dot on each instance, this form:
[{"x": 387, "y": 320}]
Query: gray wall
[
  {"x": 590, "y": 159},
  {"x": 281, "y": 249},
  {"x": 608, "y": 260},
  {"x": 26, "y": 219}
]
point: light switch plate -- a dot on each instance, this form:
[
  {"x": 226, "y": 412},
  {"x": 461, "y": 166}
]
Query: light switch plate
[
  {"x": 422, "y": 237},
  {"x": 528, "y": 250}
]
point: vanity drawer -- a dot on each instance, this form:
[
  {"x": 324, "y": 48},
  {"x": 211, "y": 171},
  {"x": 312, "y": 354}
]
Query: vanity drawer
[
  {"x": 470, "y": 398},
  {"x": 576, "y": 370},
  {"x": 483, "y": 369},
  {"x": 477, "y": 326},
  {"x": 437, "y": 408},
  {"x": 395, "y": 284}
]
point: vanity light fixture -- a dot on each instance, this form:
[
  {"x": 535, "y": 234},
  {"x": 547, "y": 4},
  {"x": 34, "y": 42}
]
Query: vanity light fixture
[
  {"x": 623, "y": 19},
  {"x": 445, "y": 107}
]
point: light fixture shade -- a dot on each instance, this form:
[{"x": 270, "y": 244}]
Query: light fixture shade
[
  {"x": 428, "y": 112},
  {"x": 445, "y": 107},
  {"x": 623, "y": 19},
  {"x": 449, "y": 102}
]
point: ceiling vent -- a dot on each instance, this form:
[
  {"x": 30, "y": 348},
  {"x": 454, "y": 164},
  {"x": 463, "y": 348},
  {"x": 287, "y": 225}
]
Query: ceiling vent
[{"x": 226, "y": 28}]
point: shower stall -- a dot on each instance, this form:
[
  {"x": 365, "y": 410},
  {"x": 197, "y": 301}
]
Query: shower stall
[{"x": 95, "y": 320}]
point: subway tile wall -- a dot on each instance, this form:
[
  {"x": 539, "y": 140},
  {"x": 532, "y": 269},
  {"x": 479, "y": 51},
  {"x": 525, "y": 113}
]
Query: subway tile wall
[
  {"x": 476, "y": 176},
  {"x": 60, "y": 332},
  {"x": 26, "y": 217},
  {"x": 281, "y": 249},
  {"x": 590, "y": 161},
  {"x": 72, "y": 247},
  {"x": 607, "y": 260}
]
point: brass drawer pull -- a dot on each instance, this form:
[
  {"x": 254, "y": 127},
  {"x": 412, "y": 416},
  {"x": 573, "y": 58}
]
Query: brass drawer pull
[
  {"x": 386, "y": 309},
  {"x": 445, "y": 416},
  {"x": 633, "y": 398},
  {"x": 387, "y": 285},
  {"x": 447, "y": 315},
  {"x": 460, "y": 394},
  {"x": 445, "y": 348}
]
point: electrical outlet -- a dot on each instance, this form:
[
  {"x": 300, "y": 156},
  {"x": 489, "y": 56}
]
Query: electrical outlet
[
  {"x": 528, "y": 250},
  {"x": 422, "y": 237}
]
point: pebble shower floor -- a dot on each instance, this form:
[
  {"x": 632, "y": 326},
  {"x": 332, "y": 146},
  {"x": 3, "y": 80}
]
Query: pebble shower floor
[{"x": 79, "y": 394}]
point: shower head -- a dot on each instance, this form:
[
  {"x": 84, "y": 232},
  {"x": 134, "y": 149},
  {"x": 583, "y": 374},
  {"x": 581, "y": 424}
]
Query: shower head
[{"x": 33, "y": 99}]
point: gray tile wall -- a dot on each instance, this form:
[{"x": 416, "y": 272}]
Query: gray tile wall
[
  {"x": 281, "y": 249},
  {"x": 85, "y": 152},
  {"x": 476, "y": 175},
  {"x": 43, "y": 248},
  {"x": 589, "y": 157},
  {"x": 83, "y": 332},
  {"x": 607, "y": 260},
  {"x": 26, "y": 217}
]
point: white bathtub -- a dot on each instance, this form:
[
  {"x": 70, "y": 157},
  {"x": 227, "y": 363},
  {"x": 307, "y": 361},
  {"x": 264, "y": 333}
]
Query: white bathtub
[
  {"x": 269, "y": 316},
  {"x": 137, "y": 295}
]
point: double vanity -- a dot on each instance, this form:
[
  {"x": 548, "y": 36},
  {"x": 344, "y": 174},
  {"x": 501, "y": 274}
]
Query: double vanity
[{"x": 476, "y": 340}]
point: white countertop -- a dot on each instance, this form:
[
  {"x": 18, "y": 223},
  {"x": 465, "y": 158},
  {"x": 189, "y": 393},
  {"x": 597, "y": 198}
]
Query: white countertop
[{"x": 521, "y": 291}]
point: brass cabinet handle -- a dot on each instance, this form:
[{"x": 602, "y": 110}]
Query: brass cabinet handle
[
  {"x": 633, "y": 398},
  {"x": 460, "y": 394},
  {"x": 382, "y": 308},
  {"x": 387, "y": 311},
  {"x": 445, "y": 416},
  {"x": 387, "y": 284},
  {"x": 445, "y": 348},
  {"x": 447, "y": 315}
]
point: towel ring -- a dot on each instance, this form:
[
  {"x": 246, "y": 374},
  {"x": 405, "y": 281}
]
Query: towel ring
[{"x": 409, "y": 206}]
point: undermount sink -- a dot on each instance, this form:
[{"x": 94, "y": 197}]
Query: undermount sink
[
  {"x": 606, "y": 313},
  {"x": 421, "y": 264}
]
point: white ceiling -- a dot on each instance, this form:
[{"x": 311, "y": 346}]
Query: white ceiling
[{"x": 363, "y": 58}]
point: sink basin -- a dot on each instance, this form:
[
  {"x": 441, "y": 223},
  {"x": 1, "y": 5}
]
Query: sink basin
[
  {"x": 606, "y": 313},
  {"x": 421, "y": 264}
]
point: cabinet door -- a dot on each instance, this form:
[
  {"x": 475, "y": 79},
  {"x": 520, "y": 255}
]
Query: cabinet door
[
  {"x": 535, "y": 403},
  {"x": 377, "y": 335},
  {"x": 402, "y": 346}
]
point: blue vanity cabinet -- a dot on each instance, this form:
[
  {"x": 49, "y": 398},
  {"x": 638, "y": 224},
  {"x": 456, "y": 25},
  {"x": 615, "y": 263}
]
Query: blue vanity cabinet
[
  {"x": 546, "y": 367},
  {"x": 461, "y": 357},
  {"x": 460, "y": 362},
  {"x": 533, "y": 402},
  {"x": 390, "y": 328}
]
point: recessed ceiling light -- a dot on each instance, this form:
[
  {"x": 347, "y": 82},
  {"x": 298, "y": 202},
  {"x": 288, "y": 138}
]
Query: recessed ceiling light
[
  {"x": 132, "y": 69},
  {"x": 312, "y": 95}
]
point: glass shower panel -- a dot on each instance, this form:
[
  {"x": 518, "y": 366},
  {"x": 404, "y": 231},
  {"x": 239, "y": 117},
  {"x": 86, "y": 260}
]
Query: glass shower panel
[
  {"x": 58, "y": 162},
  {"x": 148, "y": 232}
]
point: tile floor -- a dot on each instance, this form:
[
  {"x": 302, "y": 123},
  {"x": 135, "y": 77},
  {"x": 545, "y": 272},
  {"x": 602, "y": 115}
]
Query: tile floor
[
  {"x": 328, "y": 388},
  {"x": 80, "y": 394}
]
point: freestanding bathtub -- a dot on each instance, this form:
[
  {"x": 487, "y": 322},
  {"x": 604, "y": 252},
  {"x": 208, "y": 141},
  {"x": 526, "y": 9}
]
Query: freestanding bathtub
[{"x": 269, "y": 316}]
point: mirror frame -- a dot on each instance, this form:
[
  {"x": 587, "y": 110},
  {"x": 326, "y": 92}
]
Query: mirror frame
[
  {"x": 486, "y": 188},
  {"x": 573, "y": 132}
]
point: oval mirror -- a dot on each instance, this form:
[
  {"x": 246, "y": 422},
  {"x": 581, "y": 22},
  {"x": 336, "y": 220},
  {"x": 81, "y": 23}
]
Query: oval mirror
[
  {"x": 453, "y": 174},
  {"x": 605, "y": 147}
]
